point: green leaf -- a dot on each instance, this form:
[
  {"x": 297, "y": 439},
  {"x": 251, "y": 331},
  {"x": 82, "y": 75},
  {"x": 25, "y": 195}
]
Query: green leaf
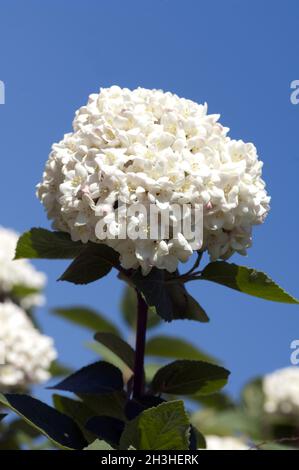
[
  {"x": 58, "y": 427},
  {"x": 75, "y": 409},
  {"x": 19, "y": 291},
  {"x": 118, "y": 346},
  {"x": 253, "y": 398},
  {"x": 247, "y": 280},
  {"x": 99, "y": 377},
  {"x": 184, "y": 306},
  {"x": 153, "y": 289},
  {"x": 165, "y": 427},
  {"x": 95, "y": 262},
  {"x": 99, "y": 445},
  {"x": 129, "y": 310},
  {"x": 86, "y": 317},
  {"x": 57, "y": 369},
  {"x": 109, "y": 356},
  {"x": 42, "y": 243},
  {"x": 167, "y": 296},
  {"x": 176, "y": 348},
  {"x": 110, "y": 404},
  {"x": 225, "y": 423},
  {"x": 189, "y": 377}
]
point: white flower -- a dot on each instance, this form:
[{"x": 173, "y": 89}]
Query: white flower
[
  {"x": 225, "y": 443},
  {"x": 27, "y": 353},
  {"x": 150, "y": 147},
  {"x": 281, "y": 390},
  {"x": 18, "y": 273}
]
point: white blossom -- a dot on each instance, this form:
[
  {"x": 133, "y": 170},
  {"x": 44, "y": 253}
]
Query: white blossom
[
  {"x": 281, "y": 390},
  {"x": 225, "y": 443},
  {"x": 19, "y": 272},
  {"x": 148, "y": 146},
  {"x": 27, "y": 353}
]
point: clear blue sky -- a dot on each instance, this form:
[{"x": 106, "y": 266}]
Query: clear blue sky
[{"x": 240, "y": 57}]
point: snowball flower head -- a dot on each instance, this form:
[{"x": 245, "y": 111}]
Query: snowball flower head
[
  {"x": 225, "y": 443},
  {"x": 281, "y": 390},
  {"x": 18, "y": 273},
  {"x": 151, "y": 147},
  {"x": 27, "y": 353}
]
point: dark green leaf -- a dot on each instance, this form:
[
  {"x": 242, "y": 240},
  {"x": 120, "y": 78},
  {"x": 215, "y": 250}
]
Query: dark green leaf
[
  {"x": 247, "y": 280},
  {"x": 56, "y": 426},
  {"x": 75, "y": 409},
  {"x": 184, "y": 306},
  {"x": 100, "y": 377},
  {"x": 87, "y": 317},
  {"x": 129, "y": 310},
  {"x": 188, "y": 377},
  {"x": 165, "y": 427},
  {"x": 111, "y": 404},
  {"x": 118, "y": 346},
  {"x": 106, "y": 428},
  {"x": 42, "y": 243},
  {"x": 154, "y": 291},
  {"x": 197, "y": 440},
  {"x": 94, "y": 262},
  {"x": 176, "y": 348},
  {"x": 136, "y": 406}
]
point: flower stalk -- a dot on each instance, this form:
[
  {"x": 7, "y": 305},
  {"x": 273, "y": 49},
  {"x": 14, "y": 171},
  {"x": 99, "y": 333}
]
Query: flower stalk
[{"x": 142, "y": 309}]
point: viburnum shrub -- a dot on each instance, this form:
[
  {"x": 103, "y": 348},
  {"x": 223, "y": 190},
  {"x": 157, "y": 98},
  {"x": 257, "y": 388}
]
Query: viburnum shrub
[{"x": 144, "y": 149}]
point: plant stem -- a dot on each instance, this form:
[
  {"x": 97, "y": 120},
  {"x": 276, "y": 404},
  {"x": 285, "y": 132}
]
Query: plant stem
[{"x": 138, "y": 385}]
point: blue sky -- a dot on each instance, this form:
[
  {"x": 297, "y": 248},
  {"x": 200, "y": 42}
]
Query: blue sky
[{"x": 240, "y": 57}]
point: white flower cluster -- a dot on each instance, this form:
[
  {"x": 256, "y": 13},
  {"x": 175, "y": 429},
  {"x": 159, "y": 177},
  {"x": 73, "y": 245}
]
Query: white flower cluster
[
  {"x": 18, "y": 273},
  {"x": 27, "y": 353},
  {"x": 281, "y": 390},
  {"x": 225, "y": 443},
  {"x": 151, "y": 147}
]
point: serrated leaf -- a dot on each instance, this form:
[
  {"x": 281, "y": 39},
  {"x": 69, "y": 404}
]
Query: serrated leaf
[
  {"x": 86, "y": 317},
  {"x": 247, "y": 280},
  {"x": 99, "y": 445},
  {"x": 44, "y": 244},
  {"x": 58, "y": 427},
  {"x": 165, "y": 427},
  {"x": 189, "y": 377},
  {"x": 99, "y": 377},
  {"x": 118, "y": 346},
  {"x": 176, "y": 348},
  {"x": 184, "y": 306},
  {"x": 93, "y": 263}
]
